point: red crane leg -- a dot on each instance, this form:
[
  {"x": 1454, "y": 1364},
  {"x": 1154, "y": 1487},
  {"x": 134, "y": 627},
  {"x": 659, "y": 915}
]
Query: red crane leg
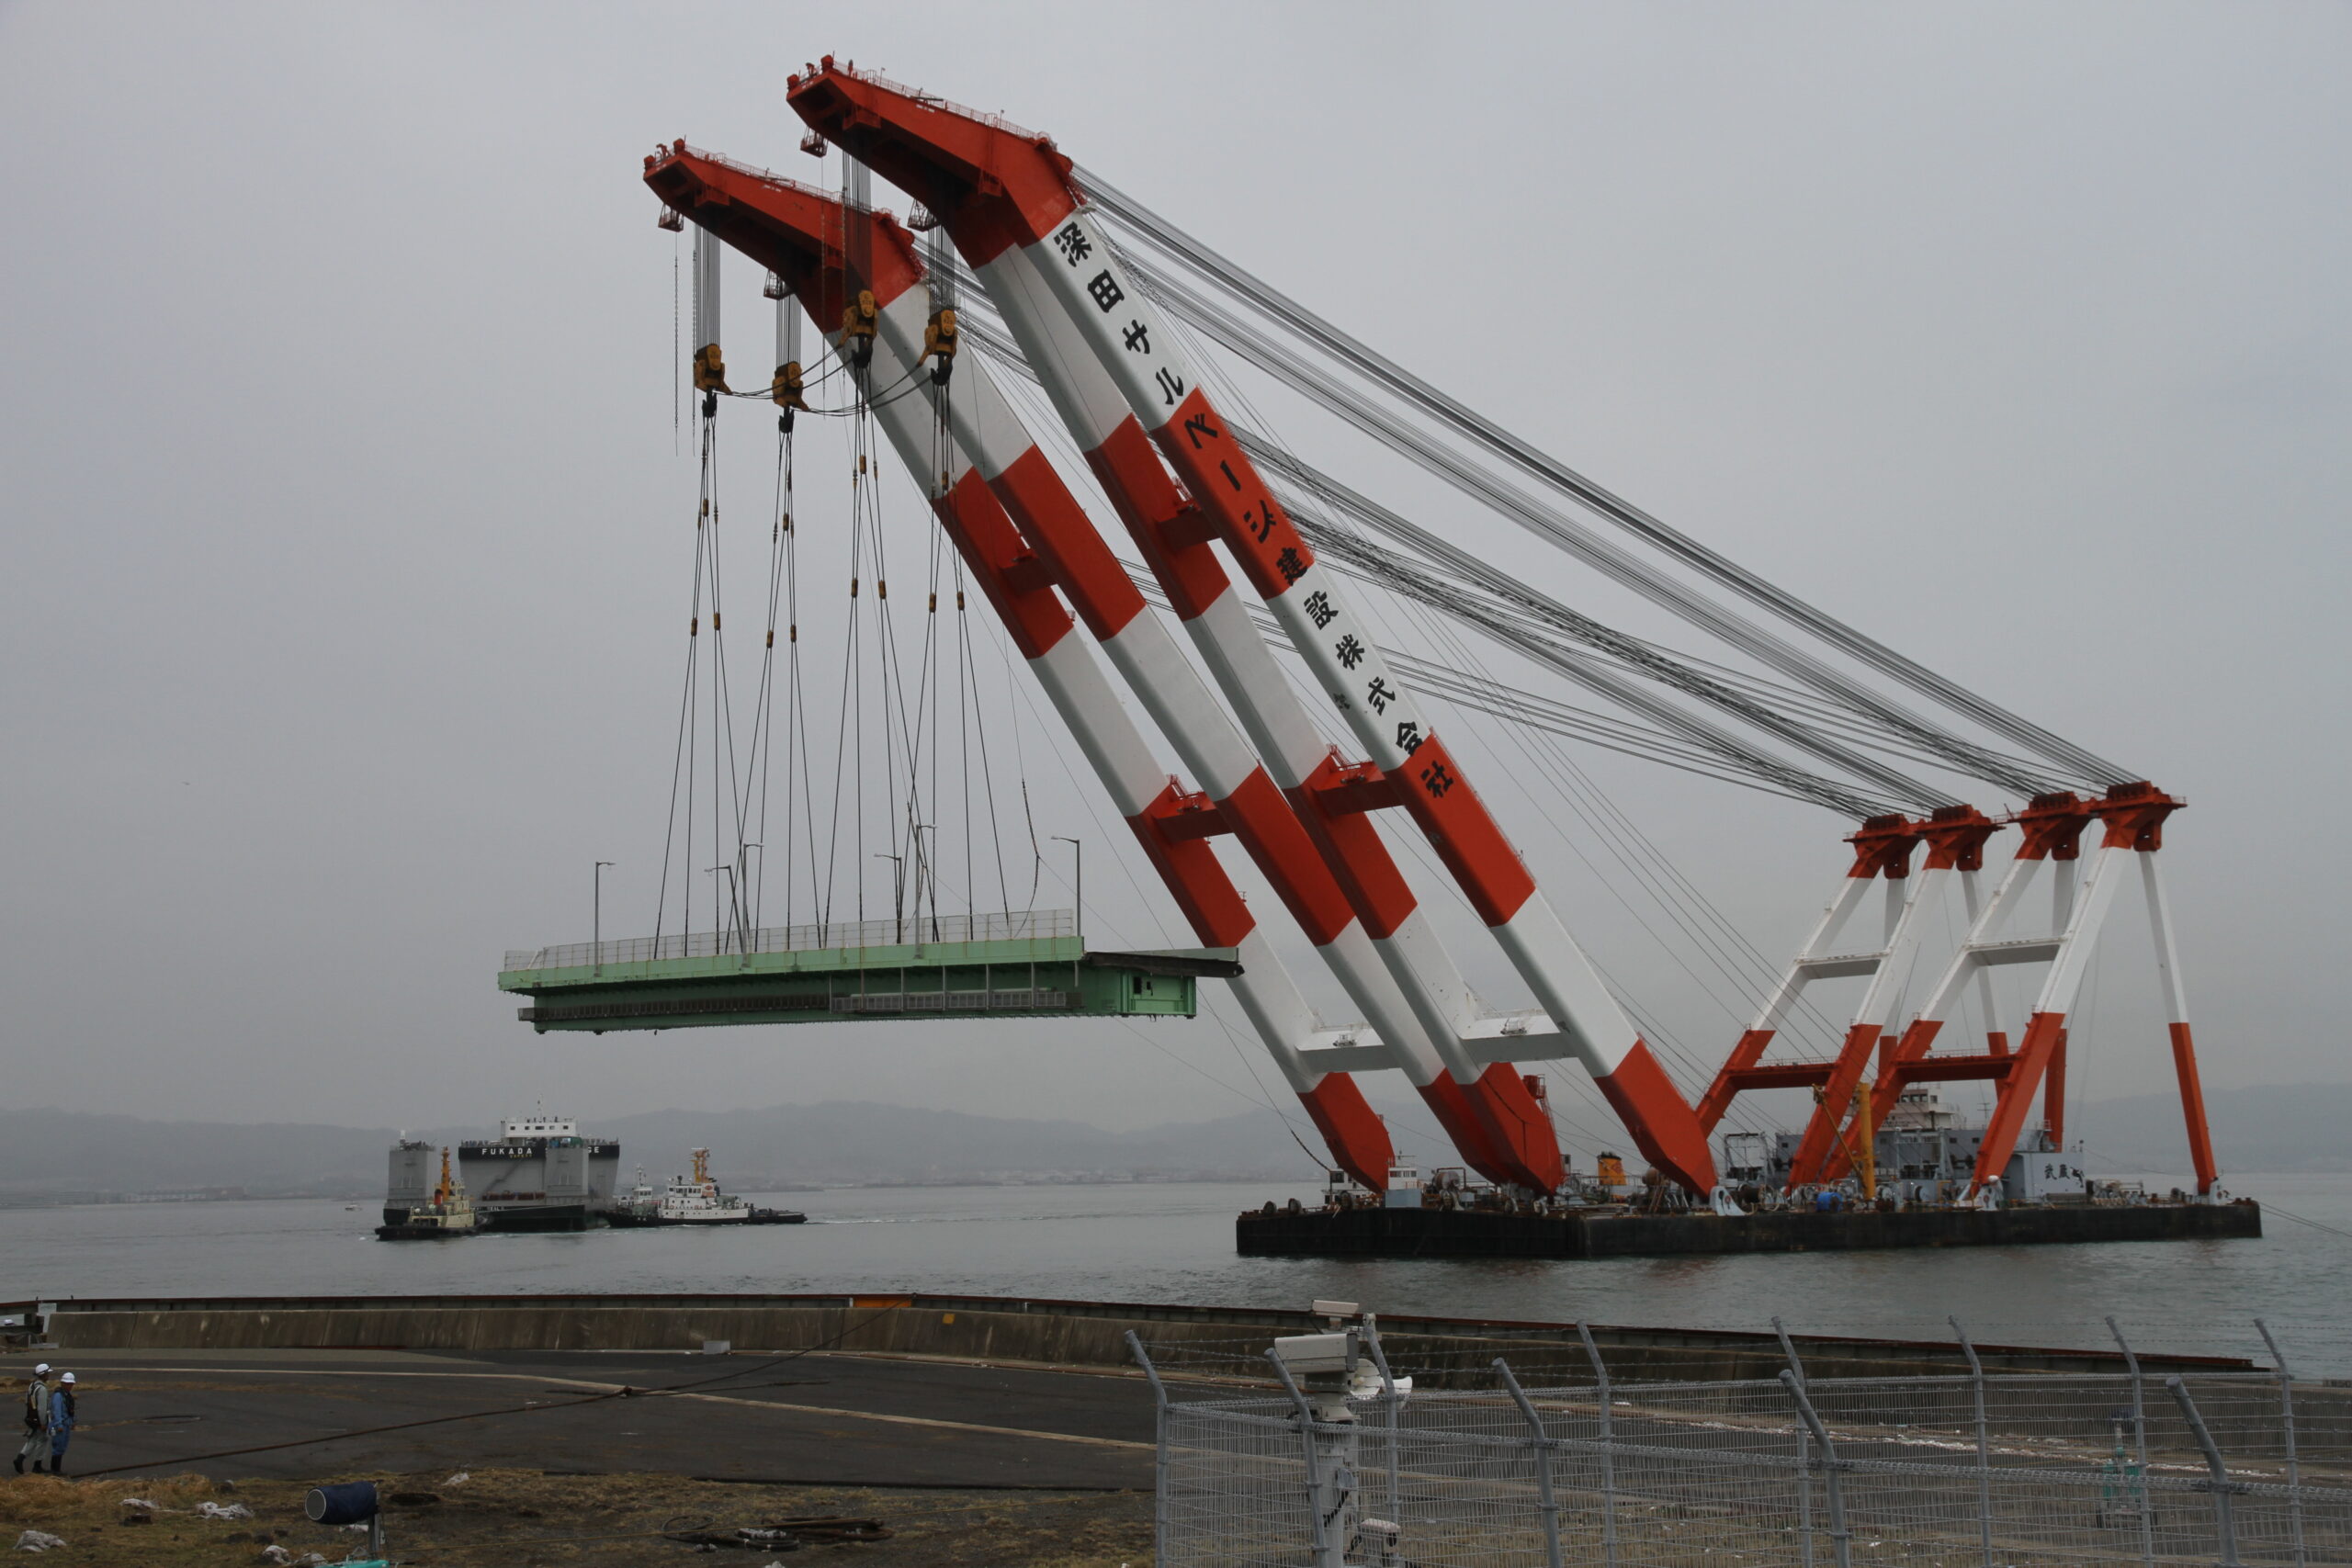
[
  {"x": 1352, "y": 1130},
  {"x": 1821, "y": 1138},
  {"x": 2192, "y": 1106},
  {"x": 1658, "y": 1118},
  {"x": 2053, "y": 1093},
  {"x": 2016, "y": 1096},
  {"x": 1724, "y": 1090},
  {"x": 1909, "y": 1047}
]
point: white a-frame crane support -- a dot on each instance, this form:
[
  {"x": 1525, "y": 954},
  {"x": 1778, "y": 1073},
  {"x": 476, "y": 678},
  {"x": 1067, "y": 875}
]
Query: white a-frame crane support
[
  {"x": 1955, "y": 838},
  {"x": 2132, "y": 817}
]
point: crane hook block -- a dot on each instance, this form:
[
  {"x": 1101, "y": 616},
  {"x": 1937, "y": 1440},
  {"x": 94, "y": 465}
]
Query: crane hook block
[
  {"x": 860, "y": 316},
  {"x": 858, "y": 321},
  {"x": 785, "y": 390},
  {"x": 710, "y": 371},
  {"x": 939, "y": 337}
]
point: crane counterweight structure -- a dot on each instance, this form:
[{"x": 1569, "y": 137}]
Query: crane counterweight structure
[{"x": 1038, "y": 269}]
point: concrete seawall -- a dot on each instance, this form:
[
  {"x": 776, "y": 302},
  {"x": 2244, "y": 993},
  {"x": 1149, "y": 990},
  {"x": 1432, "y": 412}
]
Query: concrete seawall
[{"x": 989, "y": 1328}]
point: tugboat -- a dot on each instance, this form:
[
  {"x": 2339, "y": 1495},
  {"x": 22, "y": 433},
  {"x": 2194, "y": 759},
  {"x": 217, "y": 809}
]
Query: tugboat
[
  {"x": 696, "y": 1200},
  {"x": 448, "y": 1213},
  {"x": 693, "y": 1200},
  {"x": 641, "y": 1206}
]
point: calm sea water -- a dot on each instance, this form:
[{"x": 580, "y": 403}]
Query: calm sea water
[{"x": 1174, "y": 1244}]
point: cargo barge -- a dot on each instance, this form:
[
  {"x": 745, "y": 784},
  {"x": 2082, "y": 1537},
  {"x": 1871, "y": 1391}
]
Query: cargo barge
[{"x": 538, "y": 1174}]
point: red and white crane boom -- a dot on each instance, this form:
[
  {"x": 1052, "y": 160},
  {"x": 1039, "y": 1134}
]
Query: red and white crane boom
[
  {"x": 1239, "y": 798},
  {"x": 806, "y": 250},
  {"x": 1008, "y": 201}
]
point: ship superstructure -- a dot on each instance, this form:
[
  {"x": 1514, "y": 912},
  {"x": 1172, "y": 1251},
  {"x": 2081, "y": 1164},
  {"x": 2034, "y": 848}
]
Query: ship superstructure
[
  {"x": 539, "y": 1173},
  {"x": 1924, "y": 1155}
]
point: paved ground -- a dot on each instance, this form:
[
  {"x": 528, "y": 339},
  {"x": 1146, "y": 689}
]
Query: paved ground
[
  {"x": 519, "y": 1518},
  {"x": 817, "y": 1420}
]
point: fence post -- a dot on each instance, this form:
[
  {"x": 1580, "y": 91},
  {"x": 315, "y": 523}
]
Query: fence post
[
  {"x": 1984, "y": 1449},
  {"x": 1838, "y": 1534},
  {"x": 2145, "y": 1501},
  {"x": 1608, "y": 1450},
  {"x": 1395, "y": 1402},
  {"x": 1159, "y": 1458},
  {"x": 1543, "y": 1450},
  {"x": 1318, "y": 1524},
  {"x": 2221, "y": 1485},
  {"x": 1804, "y": 1447},
  {"x": 2286, "y": 1418}
]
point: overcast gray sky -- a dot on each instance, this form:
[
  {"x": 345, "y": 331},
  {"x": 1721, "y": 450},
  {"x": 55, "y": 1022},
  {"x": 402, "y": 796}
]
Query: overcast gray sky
[{"x": 346, "y": 541}]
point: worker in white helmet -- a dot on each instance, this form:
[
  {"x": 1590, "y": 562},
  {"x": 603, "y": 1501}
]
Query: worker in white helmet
[
  {"x": 61, "y": 1423},
  {"x": 36, "y": 1444}
]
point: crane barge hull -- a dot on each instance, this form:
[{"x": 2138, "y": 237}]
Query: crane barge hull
[{"x": 1369, "y": 1232}]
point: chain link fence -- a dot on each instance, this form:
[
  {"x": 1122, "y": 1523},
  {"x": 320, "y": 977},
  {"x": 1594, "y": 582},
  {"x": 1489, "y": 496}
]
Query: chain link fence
[{"x": 1355, "y": 1466}]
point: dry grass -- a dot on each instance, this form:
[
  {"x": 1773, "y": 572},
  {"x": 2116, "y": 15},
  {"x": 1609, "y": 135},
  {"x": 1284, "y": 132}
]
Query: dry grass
[{"x": 512, "y": 1518}]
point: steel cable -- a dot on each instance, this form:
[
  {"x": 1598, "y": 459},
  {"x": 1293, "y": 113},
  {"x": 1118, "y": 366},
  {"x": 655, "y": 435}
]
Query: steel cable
[{"x": 1322, "y": 336}]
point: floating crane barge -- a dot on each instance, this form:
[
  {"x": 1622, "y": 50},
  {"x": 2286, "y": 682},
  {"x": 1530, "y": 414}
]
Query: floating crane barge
[
  {"x": 1030, "y": 269},
  {"x": 1913, "y": 1189}
]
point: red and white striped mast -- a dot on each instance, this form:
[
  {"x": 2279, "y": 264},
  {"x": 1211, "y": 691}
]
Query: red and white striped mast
[{"x": 1010, "y": 192}]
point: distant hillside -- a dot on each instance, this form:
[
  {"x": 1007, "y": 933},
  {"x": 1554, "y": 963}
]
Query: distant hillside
[
  {"x": 75, "y": 1152},
  {"x": 852, "y": 1141},
  {"x": 2275, "y": 1128}
]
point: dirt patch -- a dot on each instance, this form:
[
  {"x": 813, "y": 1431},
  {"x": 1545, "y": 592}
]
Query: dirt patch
[{"x": 506, "y": 1519}]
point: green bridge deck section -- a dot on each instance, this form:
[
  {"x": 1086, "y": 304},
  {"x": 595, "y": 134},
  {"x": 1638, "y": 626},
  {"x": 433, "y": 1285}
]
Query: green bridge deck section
[{"x": 1028, "y": 966}]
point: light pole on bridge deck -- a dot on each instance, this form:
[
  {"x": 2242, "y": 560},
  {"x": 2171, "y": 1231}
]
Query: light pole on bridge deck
[
  {"x": 926, "y": 876},
  {"x": 734, "y": 903},
  {"x": 596, "y": 916},
  {"x": 748, "y": 889},
  {"x": 897, "y": 895},
  {"x": 1077, "y": 888}
]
